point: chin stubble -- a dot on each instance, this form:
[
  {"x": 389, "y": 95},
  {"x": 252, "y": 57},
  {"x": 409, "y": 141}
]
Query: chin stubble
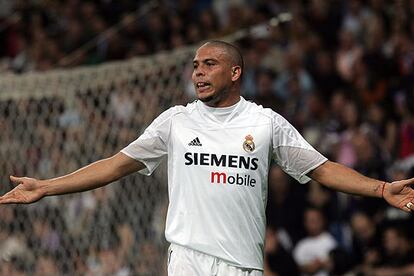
[{"x": 207, "y": 99}]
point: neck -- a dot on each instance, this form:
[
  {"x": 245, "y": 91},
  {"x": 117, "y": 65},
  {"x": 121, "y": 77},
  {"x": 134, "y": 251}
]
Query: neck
[
  {"x": 223, "y": 103},
  {"x": 225, "y": 99}
]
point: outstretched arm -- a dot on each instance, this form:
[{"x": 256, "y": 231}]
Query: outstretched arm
[
  {"x": 93, "y": 176},
  {"x": 336, "y": 176}
]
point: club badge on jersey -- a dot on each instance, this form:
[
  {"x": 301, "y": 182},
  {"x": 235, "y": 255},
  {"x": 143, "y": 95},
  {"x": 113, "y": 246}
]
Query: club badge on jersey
[{"x": 248, "y": 144}]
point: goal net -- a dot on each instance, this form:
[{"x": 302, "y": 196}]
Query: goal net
[{"x": 55, "y": 122}]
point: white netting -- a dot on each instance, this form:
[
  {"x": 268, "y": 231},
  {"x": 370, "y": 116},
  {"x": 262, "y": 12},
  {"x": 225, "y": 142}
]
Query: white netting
[{"x": 53, "y": 123}]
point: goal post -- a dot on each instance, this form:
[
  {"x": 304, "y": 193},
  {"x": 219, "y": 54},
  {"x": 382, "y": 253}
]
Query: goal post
[{"x": 54, "y": 122}]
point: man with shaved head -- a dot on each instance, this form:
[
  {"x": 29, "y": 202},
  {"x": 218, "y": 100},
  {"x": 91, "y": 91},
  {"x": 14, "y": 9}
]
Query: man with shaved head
[
  {"x": 229, "y": 61},
  {"x": 219, "y": 149}
]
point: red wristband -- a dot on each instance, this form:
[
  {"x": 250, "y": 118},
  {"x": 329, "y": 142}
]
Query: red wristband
[{"x": 383, "y": 186}]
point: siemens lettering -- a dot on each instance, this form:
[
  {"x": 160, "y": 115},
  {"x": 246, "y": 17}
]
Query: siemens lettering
[{"x": 211, "y": 159}]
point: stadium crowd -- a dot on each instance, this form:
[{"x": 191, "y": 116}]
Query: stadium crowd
[{"x": 342, "y": 72}]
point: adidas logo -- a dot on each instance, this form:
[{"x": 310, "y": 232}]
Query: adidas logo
[{"x": 195, "y": 142}]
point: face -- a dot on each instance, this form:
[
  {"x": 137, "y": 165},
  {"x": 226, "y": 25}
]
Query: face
[
  {"x": 213, "y": 75},
  {"x": 391, "y": 241},
  {"x": 314, "y": 222},
  {"x": 362, "y": 226}
]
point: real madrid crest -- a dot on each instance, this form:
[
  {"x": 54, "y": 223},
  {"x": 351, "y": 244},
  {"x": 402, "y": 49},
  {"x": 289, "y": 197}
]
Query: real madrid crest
[{"x": 248, "y": 144}]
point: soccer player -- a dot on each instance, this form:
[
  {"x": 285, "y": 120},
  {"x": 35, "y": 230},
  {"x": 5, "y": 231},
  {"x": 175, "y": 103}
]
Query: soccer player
[{"x": 219, "y": 149}]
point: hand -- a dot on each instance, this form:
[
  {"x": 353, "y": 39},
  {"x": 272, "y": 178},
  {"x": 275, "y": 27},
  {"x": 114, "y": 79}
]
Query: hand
[
  {"x": 28, "y": 190},
  {"x": 399, "y": 194}
]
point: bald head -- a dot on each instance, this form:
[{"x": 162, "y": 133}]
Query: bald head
[
  {"x": 217, "y": 73},
  {"x": 232, "y": 51}
]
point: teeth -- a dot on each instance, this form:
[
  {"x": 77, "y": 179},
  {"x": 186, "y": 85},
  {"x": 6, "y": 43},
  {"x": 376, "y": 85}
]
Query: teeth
[{"x": 201, "y": 84}]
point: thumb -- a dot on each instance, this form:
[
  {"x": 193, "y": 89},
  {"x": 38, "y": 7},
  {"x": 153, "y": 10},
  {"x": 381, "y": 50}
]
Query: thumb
[
  {"x": 399, "y": 185},
  {"x": 16, "y": 180},
  {"x": 407, "y": 182}
]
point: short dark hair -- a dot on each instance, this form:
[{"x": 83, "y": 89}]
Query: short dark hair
[{"x": 233, "y": 51}]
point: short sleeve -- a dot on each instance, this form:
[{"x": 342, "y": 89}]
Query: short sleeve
[
  {"x": 292, "y": 152},
  {"x": 152, "y": 146}
]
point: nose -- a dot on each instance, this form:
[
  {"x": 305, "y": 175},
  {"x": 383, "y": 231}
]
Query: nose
[{"x": 198, "y": 71}]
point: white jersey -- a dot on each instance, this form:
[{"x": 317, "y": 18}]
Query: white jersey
[
  {"x": 311, "y": 249},
  {"x": 217, "y": 174}
]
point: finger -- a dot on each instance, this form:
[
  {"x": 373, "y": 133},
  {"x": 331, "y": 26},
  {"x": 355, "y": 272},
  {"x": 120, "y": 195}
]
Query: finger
[
  {"x": 16, "y": 180},
  {"x": 398, "y": 186},
  {"x": 407, "y": 182},
  {"x": 408, "y": 207},
  {"x": 7, "y": 199}
]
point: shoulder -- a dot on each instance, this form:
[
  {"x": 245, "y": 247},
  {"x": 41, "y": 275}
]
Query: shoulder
[
  {"x": 253, "y": 108},
  {"x": 176, "y": 110},
  {"x": 184, "y": 109},
  {"x": 327, "y": 238},
  {"x": 303, "y": 243},
  {"x": 301, "y": 250},
  {"x": 259, "y": 110}
]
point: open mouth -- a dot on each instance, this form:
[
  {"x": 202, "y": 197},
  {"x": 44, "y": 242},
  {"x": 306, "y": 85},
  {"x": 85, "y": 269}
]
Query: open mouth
[{"x": 202, "y": 86}]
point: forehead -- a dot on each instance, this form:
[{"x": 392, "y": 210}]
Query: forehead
[
  {"x": 211, "y": 52},
  {"x": 313, "y": 214}
]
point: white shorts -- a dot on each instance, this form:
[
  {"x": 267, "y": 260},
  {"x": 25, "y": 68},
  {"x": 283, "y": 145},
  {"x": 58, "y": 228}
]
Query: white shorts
[{"x": 187, "y": 262}]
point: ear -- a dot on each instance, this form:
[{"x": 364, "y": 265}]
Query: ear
[{"x": 235, "y": 73}]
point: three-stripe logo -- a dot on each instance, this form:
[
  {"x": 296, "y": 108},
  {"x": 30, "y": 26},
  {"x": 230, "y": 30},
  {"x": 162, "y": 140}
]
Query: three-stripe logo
[{"x": 195, "y": 142}]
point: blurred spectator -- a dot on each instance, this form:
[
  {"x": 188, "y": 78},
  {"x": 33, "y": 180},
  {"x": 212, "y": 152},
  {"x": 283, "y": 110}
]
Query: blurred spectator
[
  {"x": 151, "y": 261},
  {"x": 316, "y": 124},
  {"x": 406, "y": 126},
  {"x": 16, "y": 266},
  {"x": 286, "y": 206},
  {"x": 312, "y": 252},
  {"x": 398, "y": 254},
  {"x": 398, "y": 247},
  {"x": 327, "y": 80},
  {"x": 325, "y": 200},
  {"x": 209, "y": 23},
  {"x": 355, "y": 17},
  {"x": 110, "y": 263},
  {"x": 44, "y": 238},
  {"x": 46, "y": 266},
  {"x": 366, "y": 245},
  {"x": 121, "y": 105},
  {"x": 381, "y": 126},
  {"x": 265, "y": 93},
  {"x": 15, "y": 254},
  {"x": 278, "y": 260},
  {"x": 324, "y": 18},
  {"x": 339, "y": 262},
  {"x": 294, "y": 71},
  {"x": 369, "y": 160},
  {"x": 252, "y": 66},
  {"x": 294, "y": 86},
  {"x": 348, "y": 53},
  {"x": 350, "y": 120}
]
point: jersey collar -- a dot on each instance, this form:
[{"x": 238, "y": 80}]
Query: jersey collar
[{"x": 207, "y": 111}]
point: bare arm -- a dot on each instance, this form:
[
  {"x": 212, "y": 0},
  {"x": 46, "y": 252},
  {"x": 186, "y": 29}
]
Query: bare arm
[
  {"x": 344, "y": 179},
  {"x": 313, "y": 267},
  {"x": 93, "y": 176},
  {"x": 90, "y": 177}
]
